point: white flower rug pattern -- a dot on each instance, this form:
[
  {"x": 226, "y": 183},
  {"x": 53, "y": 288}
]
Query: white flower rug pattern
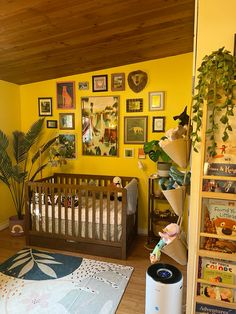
[{"x": 36, "y": 281}]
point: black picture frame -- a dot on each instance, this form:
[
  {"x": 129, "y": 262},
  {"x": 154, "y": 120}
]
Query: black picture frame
[
  {"x": 158, "y": 124},
  {"x": 134, "y": 105},
  {"x": 45, "y": 106},
  {"x": 52, "y": 124},
  {"x": 100, "y": 83}
]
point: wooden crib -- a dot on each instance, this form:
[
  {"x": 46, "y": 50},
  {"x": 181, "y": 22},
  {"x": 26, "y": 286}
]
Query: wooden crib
[{"x": 80, "y": 212}]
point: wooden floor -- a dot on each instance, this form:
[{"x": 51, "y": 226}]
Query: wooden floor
[{"x": 133, "y": 301}]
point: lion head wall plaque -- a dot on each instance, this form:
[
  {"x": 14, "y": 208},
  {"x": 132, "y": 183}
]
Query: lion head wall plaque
[{"x": 137, "y": 80}]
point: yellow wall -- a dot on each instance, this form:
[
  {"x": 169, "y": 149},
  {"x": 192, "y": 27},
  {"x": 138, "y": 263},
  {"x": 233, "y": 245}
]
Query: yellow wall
[
  {"x": 9, "y": 121},
  {"x": 215, "y": 28},
  {"x": 172, "y": 75}
]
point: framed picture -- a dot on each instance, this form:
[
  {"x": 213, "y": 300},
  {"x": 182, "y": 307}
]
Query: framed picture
[
  {"x": 45, "y": 106},
  {"x": 135, "y": 130},
  {"x": 100, "y": 119},
  {"x": 129, "y": 152},
  {"x": 99, "y": 83},
  {"x": 68, "y": 141},
  {"x": 117, "y": 81},
  {"x": 156, "y": 101},
  {"x": 52, "y": 124},
  {"x": 66, "y": 121},
  {"x": 158, "y": 124},
  {"x": 65, "y": 95},
  {"x": 134, "y": 105},
  {"x": 83, "y": 85},
  {"x": 235, "y": 45},
  {"x": 141, "y": 154}
]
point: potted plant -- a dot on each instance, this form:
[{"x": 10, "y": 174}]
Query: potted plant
[
  {"x": 175, "y": 187},
  {"x": 158, "y": 155},
  {"x": 216, "y": 83},
  {"x": 16, "y": 167}
]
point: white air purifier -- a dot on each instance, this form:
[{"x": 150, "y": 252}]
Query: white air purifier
[{"x": 164, "y": 290}]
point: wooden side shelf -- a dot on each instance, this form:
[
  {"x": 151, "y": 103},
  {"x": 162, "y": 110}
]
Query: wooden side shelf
[
  {"x": 227, "y": 305},
  {"x": 214, "y": 205},
  {"x": 217, "y": 255}
]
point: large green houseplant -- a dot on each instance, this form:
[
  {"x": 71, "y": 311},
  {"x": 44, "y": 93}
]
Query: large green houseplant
[
  {"x": 158, "y": 155},
  {"x": 216, "y": 82},
  {"x": 17, "y": 165}
]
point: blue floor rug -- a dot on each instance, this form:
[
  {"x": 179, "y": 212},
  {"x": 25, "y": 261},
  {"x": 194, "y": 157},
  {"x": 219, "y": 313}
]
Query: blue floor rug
[{"x": 35, "y": 281}]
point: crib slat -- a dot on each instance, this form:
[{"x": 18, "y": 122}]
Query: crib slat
[
  {"x": 59, "y": 211},
  {"x": 100, "y": 223},
  {"x": 40, "y": 207},
  {"x": 86, "y": 212},
  {"x": 33, "y": 216},
  {"x": 93, "y": 215},
  {"x": 46, "y": 210},
  {"x": 79, "y": 214},
  {"x": 73, "y": 195},
  {"x": 108, "y": 216},
  {"x": 67, "y": 196},
  {"x": 115, "y": 228},
  {"x": 53, "y": 209}
]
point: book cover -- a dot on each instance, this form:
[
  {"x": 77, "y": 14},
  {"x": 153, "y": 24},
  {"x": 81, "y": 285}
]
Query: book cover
[
  {"x": 215, "y": 271},
  {"x": 217, "y": 293},
  {"x": 212, "y": 309},
  {"x": 220, "y": 218}
]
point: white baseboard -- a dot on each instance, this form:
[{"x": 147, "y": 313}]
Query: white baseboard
[{"x": 4, "y": 225}]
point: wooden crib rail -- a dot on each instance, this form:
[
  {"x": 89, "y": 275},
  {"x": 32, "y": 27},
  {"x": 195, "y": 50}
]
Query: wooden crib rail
[
  {"x": 85, "y": 217},
  {"x": 60, "y": 220}
]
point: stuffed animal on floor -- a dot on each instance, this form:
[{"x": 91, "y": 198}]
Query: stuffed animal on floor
[
  {"x": 167, "y": 236},
  {"x": 117, "y": 182}
]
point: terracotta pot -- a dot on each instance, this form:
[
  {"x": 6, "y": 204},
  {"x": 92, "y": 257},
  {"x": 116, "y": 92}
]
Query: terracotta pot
[{"x": 16, "y": 226}]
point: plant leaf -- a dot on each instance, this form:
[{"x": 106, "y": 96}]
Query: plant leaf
[
  {"x": 37, "y": 171},
  {"x": 47, "y": 270},
  {"x": 20, "y": 256},
  {"x": 47, "y": 261},
  {"x": 18, "y": 263},
  {"x": 43, "y": 149},
  {"x": 26, "y": 268},
  {"x": 44, "y": 255},
  {"x": 23, "y": 251},
  {"x": 3, "y": 140}
]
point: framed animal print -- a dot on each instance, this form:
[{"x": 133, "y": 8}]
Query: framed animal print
[{"x": 135, "y": 129}]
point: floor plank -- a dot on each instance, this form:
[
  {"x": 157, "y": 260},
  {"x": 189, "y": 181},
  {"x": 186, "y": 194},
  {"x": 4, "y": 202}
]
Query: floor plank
[{"x": 133, "y": 301}]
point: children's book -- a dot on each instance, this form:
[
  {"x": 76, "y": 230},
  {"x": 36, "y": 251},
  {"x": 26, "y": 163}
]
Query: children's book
[
  {"x": 212, "y": 309},
  {"x": 217, "y": 293},
  {"x": 214, "y": 270},
  {"x": 220, "y": 218}
]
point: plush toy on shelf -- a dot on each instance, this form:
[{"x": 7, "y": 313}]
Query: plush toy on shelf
[
  {"x": 117, "y": 182},
  {"x": 167, "y": 236}
]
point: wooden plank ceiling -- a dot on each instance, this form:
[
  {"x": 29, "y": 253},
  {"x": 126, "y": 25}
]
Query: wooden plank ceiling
[{"x": 46, "y": 39}]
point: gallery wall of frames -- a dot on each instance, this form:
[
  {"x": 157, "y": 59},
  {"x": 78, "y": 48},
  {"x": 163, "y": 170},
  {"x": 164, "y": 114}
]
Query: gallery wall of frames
[{"x": 100, "y": 114}]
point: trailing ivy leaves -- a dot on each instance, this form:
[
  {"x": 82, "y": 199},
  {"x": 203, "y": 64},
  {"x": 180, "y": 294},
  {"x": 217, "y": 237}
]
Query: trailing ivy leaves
[{"x": 216, "y": 81}]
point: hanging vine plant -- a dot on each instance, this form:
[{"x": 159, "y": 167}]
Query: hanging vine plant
[{"x": 216, "y": 81}]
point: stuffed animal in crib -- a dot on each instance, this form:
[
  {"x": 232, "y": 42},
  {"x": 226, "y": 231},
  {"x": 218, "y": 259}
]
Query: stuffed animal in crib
[
  {"x": 117, "y": 182},
  {"x": 167, "y": 236}
]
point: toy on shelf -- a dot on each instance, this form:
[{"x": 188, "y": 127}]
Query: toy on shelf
[{"x": 167, "y": 236}]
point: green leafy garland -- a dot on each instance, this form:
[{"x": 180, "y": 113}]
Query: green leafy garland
[{"x": 215, "y": 86}]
